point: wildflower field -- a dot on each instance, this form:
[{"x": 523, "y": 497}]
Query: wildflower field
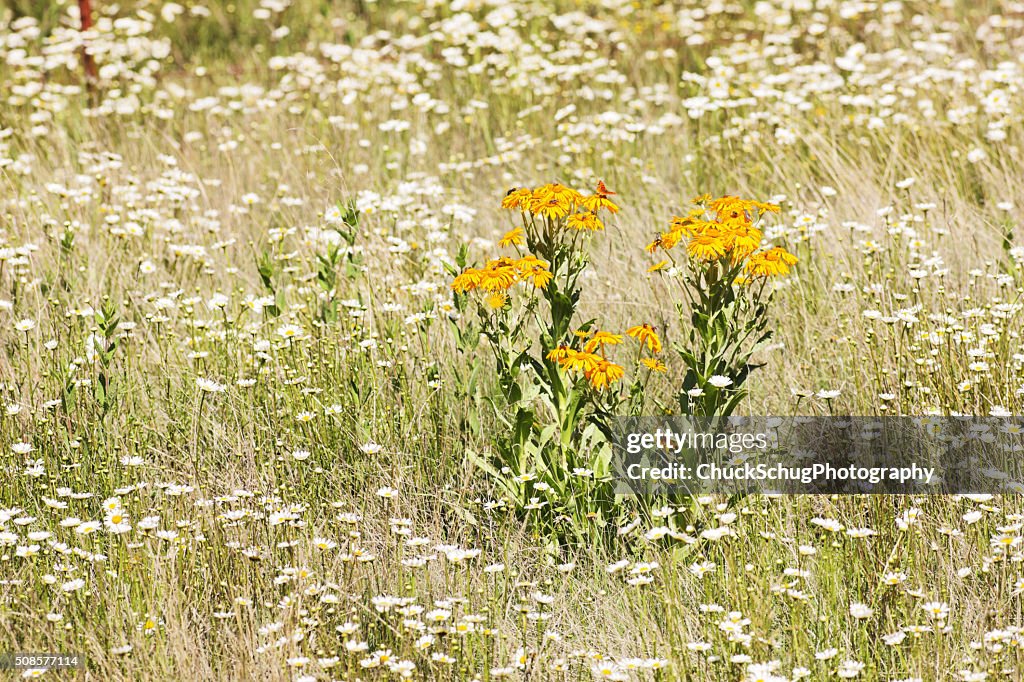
[{"x": 315, "y": 318}]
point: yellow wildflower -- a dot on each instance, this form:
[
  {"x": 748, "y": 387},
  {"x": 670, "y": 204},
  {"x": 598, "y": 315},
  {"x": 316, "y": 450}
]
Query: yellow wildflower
[
  {"x": 599, "y": 199},
  {"x": 580, "y": 362},
  {"x": 513, "y": 238},
  {"x": 646, "y": 334},
  {"x": 602, "y": 339},
  {"x": 773, "y": 262},
  {"x": 654, "y": 364},
  {"x": 604, "y": 374},
  {"x": 517, "y": 198},
  {"x": 705, "y": 247},
  {"x": 584, "y": 220},
  {"x": 550, "y": 207}
]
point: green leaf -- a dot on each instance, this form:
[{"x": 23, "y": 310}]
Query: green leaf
[
  {"x": 265, "y": 268},
  {"x": 464, "y": 513},
  {"x": 481, "y": 463}
]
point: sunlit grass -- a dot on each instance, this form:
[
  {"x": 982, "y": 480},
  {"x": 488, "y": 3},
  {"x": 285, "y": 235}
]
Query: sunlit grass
[{"x": 243, "y": 413}]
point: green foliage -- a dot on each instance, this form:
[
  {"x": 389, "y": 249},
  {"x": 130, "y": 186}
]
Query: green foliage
[
  {"x": 337, "y": 256},
  {"x": 727, "y": 325},
  {"x": 552, "y": 453},
  {"x": 105, "y": 345},
  {"x": 726, "y": 290}
]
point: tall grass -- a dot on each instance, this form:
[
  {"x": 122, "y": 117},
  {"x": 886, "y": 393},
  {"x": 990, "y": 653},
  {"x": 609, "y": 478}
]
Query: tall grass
[{"x": 281, "y": 415}]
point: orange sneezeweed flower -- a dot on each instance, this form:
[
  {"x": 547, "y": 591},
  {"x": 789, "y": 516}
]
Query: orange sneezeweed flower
[
  {"x": 604, "y": 374},
  {"x": 540, "y": 276},
  {"x": 577, "y": 361},
  {"x": 500, "y": 275},
  {"x": 513, "y": 238},
  {"x": 743, "y": 241},
  {"x": 602, "y": 339},
  {"x": 556, "y": 190},
  {"x": 584, "y": 220},
  {"x": 669, "y": 239},
  {"x": 646, "y": 334},
  {"x": 706, "y": 247},
  {"x": 691, "y": 224},
  {"x": 599, "y": 199},
  {"x": 654, "y": 364},
  {"x": 773, "y": 262},
  {"x": 550, "y": 207},
  {"x": 600, "y": 372},
  {"x": 733, "y": 207},
  {"x": 559, "y": 353},
  {"x": 530, "y": 261},
  {"x": 517, "y": 198}
]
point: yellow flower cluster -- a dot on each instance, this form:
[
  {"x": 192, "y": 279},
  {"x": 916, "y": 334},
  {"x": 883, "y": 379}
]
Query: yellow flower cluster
[
  {"x": 774, "y": 261},
  {"x": 724, "y": 229},
  {"x": 592, "y": 363},
  {"x": 501, "y": 274},
  {"x": 560, "y": 205},
  {"x": 554, "y": 201},
  {"x": 599, "y": 371}
]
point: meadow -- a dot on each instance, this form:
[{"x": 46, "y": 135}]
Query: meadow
[{"x": 313, "y": 316}]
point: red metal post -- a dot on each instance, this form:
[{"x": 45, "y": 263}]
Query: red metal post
[{"x": 85, "y": 12}]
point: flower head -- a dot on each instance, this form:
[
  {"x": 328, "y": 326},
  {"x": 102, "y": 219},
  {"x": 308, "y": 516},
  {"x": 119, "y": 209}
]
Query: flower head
[
  {"x": 646, "y": 334},
  {"x": 706, "y": 247},
  {"x": 601, "y": 339},
  {"x": 604, "y": 374},
  {"x": 512, "y": 238},
  {"x": 517, "y": 198},
  {"x": 584, "y": 221},
  {"x": 654, "y": 365},
  {"x": 599, "y": 199},
  {"x": 771, "y": 263},
  {"x": 577, "y": 361}
]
